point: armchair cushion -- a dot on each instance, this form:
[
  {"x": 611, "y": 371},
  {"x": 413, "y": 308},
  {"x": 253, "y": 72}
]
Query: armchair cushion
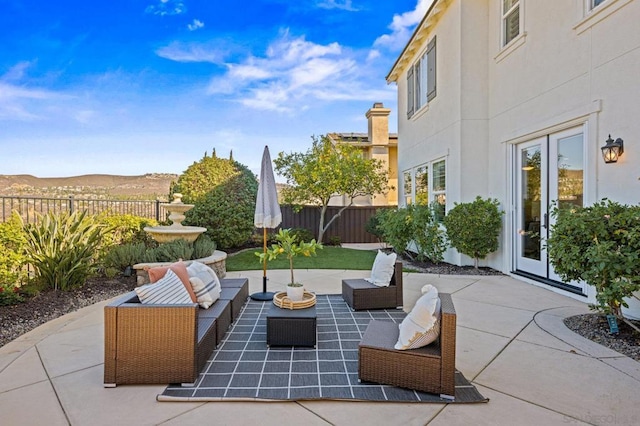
[
  {"x": 382, "y": 270},
  {"x": 422, "y": 325}
]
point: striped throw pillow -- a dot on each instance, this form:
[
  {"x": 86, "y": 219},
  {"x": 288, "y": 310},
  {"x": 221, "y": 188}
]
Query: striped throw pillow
[
  {"x": 168, "y": 290},
  {"x": 205, "y": 284}
]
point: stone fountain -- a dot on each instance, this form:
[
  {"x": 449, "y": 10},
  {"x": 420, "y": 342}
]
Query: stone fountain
[{"x": 175, "y": 231}]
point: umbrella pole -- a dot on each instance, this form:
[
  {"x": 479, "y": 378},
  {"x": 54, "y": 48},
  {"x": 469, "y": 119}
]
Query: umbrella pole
[
  {"x": 264, "y": 295},
  {"x": 264, "y": 261}
]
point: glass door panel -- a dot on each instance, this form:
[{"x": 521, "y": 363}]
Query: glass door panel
[
  {"x": 549, "y": 172},
  {"x": 531, "y": 196}
]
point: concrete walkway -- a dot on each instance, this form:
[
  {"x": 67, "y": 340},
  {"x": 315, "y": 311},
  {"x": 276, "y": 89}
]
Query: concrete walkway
[{"x": 511, "y": 344}]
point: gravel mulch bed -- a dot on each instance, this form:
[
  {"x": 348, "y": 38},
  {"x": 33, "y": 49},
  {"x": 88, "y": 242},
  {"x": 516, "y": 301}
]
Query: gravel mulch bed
[
  {"x": 596, "y": 328},
  {"x": 21, "y": 318},
  {"x": 48, "y": 305}
]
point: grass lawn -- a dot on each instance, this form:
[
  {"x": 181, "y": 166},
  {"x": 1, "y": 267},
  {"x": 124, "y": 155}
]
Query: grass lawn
[{"x": 328, "y": 258}]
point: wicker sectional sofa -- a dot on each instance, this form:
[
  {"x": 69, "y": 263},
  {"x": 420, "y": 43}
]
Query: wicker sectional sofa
[{"x": 162, "y": 344}]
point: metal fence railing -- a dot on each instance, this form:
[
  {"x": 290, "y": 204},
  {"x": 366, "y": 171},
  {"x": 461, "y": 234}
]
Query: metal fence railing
[{"x": 29, "y": 207}]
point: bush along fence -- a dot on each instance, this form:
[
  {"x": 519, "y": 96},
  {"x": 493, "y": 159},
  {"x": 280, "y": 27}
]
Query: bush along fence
[{"x": 349, "y": 228}]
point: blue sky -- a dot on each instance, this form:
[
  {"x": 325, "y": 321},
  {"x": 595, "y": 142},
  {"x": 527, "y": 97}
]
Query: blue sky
[{"x": 131, "y": 87}]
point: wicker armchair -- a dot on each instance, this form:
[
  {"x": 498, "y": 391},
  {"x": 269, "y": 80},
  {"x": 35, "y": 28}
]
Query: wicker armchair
[
  {"x": 361, "y": 294},
  {"x": 428, "y": 369}
]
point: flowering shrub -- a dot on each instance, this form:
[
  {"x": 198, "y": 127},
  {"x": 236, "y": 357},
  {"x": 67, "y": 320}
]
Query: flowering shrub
[
  {"x": 12, "y": 272},
  {"x": 601, "y": 246}
]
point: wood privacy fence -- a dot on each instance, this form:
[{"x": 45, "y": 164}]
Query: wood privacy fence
[{"x": 350, "y": 227}]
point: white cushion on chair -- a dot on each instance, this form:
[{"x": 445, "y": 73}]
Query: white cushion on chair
[
  {"x": 422, "y": 325},
  {"x": 382, "y": 270}
]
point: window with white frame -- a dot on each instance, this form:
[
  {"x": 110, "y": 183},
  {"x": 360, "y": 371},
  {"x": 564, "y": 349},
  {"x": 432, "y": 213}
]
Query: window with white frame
[
  {"x": 427, "y": 184},
  {"x": 510, "y": 20},
  {"x": 595, "y": 3},
  {"x": 421, "y": 80}
]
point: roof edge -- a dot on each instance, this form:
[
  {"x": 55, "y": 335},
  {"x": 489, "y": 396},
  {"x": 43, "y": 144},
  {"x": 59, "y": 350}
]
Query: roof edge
[{"x": 413, "y": 36}]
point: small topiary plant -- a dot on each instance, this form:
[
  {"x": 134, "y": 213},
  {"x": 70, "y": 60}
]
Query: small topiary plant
[
  {"x": 600, "y": 245},
  {"x": 473, "y": 228}
]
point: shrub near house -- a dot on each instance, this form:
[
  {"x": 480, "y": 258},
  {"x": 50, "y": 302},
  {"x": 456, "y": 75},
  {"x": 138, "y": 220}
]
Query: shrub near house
[
  {"x": 600, "y": 245},
  {"x": 473, "y": 228}
]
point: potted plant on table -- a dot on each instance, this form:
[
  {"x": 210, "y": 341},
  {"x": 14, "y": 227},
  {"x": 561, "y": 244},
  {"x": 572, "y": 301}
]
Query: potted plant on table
[{"x": 288, "y": 244}]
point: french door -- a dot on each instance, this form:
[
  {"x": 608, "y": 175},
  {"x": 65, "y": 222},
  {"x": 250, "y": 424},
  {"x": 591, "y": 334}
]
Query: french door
[{"x": 549, "y": 172}]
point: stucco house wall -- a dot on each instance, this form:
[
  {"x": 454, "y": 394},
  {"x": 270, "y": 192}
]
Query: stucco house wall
[{"x": 571, "y": 67}]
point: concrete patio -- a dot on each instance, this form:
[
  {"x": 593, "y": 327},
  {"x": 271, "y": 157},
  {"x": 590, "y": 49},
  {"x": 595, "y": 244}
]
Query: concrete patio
[{"x": 511, "y": 344}]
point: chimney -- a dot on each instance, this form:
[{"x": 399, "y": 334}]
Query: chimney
[{"x": 378, "y": 117}]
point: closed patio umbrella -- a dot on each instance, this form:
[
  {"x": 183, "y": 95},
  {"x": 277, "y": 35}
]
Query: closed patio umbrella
[{"x": 267, "y": 215}]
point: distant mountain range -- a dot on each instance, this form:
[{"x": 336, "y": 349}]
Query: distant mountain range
[{"x": 147, "y": 186}]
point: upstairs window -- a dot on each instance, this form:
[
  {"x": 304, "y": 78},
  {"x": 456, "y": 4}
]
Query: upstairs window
[
  {"x": 421, "y": 80},
  {"x": 511, "y": 20},
  {"x": 595, "y": 3}
]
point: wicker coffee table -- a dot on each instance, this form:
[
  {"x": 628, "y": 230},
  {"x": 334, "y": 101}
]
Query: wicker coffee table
[{"x": 291, "y": 327}]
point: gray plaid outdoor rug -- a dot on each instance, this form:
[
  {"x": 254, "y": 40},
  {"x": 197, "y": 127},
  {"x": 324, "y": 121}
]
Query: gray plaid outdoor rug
[{"x": 243, "y": 368}]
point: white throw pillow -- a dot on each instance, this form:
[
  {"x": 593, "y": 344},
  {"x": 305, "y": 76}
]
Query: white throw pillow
[
  {"x": 205, "y": 283},
  {"x": 206, "y": 297},
  {"x": 382, "y": 270},
  {"x": 422, "y": 325},
  {"x": 168, "y": 290}
]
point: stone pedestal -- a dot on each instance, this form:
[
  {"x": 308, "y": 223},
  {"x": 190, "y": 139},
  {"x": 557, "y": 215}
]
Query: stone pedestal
[{"x": 217, "y": 262}]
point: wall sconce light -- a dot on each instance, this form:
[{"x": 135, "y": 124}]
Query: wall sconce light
[{"x": 612, "y": 150}]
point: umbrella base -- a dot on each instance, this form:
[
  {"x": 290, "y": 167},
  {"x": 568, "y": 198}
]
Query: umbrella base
[{"x": 263, "y": 296}]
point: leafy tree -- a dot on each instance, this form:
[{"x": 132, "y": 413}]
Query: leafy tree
[
  {"x": 224, "y": 196},
  {"x": 473, "y": 228},
  {"x": 600, "y": 245},
  {"x": 328, "y": 170}
]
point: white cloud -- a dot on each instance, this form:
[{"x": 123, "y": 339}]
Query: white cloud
[
  {"x": 191, "y": 52},
  {"x": 337, "y": 4},
  {"x": 291, "y": 74},
  {"x": 402, "y": 26},
  {"x": 15, "y": 100},
  {"x": 16, "y": 72},
  {"x": 196, "y": 24},
  {"x": 167, "y": 7}
]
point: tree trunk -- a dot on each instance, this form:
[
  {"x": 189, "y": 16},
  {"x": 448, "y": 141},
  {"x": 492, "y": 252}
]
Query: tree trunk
[
  {"x": 323, "y": 210},
  {"x": 324, "y": 227}
]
